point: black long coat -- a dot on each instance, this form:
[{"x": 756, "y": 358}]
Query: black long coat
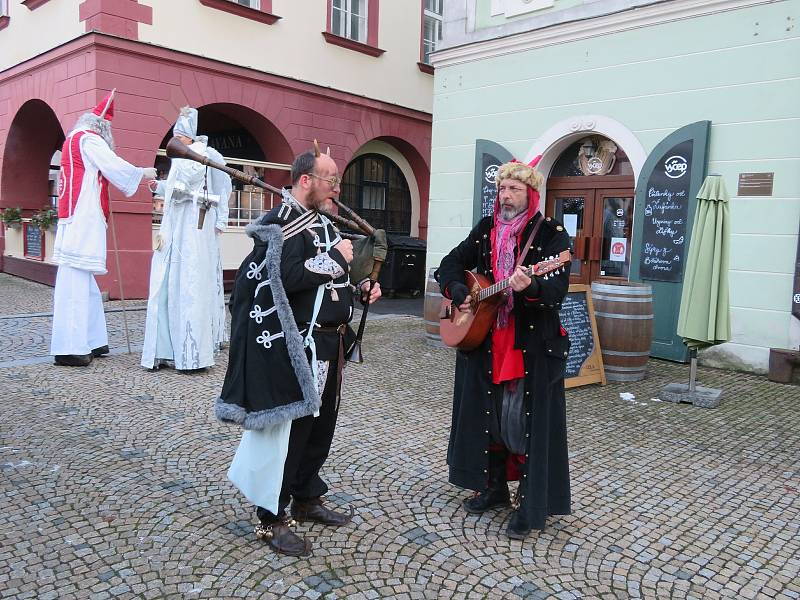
[
  {"x": 545, "y": 487},
  {"x": 269, "y": 379}
]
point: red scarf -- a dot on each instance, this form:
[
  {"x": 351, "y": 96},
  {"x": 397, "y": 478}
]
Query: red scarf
[{"x": 507, "y": 363}]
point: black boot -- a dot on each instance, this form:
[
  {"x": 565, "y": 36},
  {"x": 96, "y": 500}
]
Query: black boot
[
  {"x": 496, "y": 494},
  {"x": 101, "y": 351},
  {"x": 73, "y": 360},
  {"x": 519, "y": 525}
]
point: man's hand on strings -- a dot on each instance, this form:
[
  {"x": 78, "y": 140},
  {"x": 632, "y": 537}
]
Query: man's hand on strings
[{"x": 519, "y": 280}]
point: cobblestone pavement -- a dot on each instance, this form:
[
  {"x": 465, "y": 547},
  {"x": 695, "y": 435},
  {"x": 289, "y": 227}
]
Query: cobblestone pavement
[{"x": 112, "y": 483}]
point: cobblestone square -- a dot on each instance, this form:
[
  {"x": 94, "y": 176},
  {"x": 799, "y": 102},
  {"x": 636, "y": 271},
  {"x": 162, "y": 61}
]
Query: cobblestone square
[{"x": 112, "y": 483}]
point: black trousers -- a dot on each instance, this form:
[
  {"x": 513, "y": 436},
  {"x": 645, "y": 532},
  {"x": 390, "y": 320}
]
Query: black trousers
[{"x": 310, "y": 441}]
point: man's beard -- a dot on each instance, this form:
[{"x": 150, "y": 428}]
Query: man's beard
[
  {"x": 318, "y": 200},
  {"x": 97, "y": 124},
  {"x": 508, "y": 213}
]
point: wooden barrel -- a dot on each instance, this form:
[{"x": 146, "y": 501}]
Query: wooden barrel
[
  {"x": 433, "y": 300},
  {"x": 624, "y": 314}
]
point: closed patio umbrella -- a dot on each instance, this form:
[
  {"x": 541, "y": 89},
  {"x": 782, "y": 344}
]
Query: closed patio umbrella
[{"x": 704, "y": 317}]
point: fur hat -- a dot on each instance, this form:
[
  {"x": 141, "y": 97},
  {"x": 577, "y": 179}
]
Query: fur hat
[{"x": 527, "y": 174}]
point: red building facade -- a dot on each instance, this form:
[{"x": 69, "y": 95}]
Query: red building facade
[{"x": 41, "y": 98}]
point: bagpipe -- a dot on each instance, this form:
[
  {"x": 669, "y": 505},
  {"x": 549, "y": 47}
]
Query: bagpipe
[{"x": 369, "y": 248}]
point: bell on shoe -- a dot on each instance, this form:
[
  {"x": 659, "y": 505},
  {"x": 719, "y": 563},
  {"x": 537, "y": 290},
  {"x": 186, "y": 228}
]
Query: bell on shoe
[
  {"x": 282, "y": 539},
  {"x": 313, "y": 510},
  {"x": 101, "y": 351},
  {"x": 73, "y": 360}
]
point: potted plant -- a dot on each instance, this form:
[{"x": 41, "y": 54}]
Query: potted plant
[
  {"x": 11, "y": 216},
  {"x": 45, "y": 219}
]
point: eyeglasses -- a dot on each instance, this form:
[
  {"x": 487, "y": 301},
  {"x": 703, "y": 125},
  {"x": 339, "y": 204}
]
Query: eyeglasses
[
  {"x": 514, "y": 189},
  {"x": 333, "y": 181}
]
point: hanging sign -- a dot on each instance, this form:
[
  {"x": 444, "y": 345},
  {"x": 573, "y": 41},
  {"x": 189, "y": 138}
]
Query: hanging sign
[
  {"x": 488, "y": 158},
  {"x": 665, "y": 214}
]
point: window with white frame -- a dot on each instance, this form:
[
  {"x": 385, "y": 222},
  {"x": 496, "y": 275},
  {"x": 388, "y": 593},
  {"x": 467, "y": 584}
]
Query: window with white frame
[
  {"x": 432, "y": 28},
  {"x": 249, "y": 3},
  {"x": 349, "y": 19}
]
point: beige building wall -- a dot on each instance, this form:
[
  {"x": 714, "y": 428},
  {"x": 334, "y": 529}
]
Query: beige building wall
[
  {"x": 294, "y": 46},
  {"x": 31, "y": 33}
]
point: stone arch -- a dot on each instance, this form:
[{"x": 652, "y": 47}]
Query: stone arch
[
  {"x": 220, "y": 116},
  {"x": 561, "y": 135},
  {"x": 33, "y": 137},
  {"x": 388, "y": 150},
  {"x": 421, "y": 179}
]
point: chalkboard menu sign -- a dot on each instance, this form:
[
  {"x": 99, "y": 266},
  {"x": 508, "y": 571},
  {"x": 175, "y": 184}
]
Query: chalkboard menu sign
[
  {"x": 488, "y": 158},
  {"x": 665, "y": 213},
  {"x": 584, "y": 362},
  {"x": 33, "y": 242}
]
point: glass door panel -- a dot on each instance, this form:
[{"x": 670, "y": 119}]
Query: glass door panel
[
  {"x": 573, "y": 209},
  {"x": 616, "y": 212}
]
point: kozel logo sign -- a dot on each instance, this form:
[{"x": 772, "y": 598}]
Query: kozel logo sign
[
  {"x": 675, "y": 167},
  {"x": 491, "y": 173}
]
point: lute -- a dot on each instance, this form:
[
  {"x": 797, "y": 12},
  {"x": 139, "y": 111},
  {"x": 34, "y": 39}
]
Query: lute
[{"x": 467, "y": 330}]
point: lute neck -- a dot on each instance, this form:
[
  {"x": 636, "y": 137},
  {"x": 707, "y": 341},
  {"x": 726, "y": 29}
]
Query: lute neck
[{"x": 498, "y": 287}]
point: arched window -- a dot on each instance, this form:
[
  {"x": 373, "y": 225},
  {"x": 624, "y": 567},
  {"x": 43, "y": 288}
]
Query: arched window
[{"x": 374, "y": 186}]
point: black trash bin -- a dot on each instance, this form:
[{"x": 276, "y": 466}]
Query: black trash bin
[{"x": 404, "y": 269}]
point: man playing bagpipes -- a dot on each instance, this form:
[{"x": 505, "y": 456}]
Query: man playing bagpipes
[{"x": 290, "y": 306}]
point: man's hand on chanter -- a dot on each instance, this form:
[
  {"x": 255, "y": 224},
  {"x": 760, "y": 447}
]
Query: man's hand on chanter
[{"x": 345, "y": 248}]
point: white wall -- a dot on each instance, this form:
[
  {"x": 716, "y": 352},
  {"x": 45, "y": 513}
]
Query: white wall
[
  {"x": 294, "y": 46},
  {"x": 30, "y": 33}
]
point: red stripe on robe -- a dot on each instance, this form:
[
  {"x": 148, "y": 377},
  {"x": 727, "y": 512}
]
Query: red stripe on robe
[{"x": 71, "y": 177}]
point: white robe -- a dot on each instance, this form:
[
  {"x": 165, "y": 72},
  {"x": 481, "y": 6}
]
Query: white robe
[
  {"x": 185, "y": 319},
  {"x": 79, "y": 324}
]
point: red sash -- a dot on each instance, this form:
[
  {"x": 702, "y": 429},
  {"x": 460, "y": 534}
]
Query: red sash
[{"x": 71, "y": 177}]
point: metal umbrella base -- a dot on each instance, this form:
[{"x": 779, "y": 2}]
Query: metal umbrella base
[
  {"x": 692, "y": 393},
  {"x": 700, "y": 396}
]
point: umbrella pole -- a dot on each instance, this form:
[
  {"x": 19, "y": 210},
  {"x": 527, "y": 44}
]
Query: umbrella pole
[{"x": 692, "y": 369}]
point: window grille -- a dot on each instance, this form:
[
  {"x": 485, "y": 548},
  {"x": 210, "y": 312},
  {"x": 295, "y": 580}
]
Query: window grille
[
  {"x": 349, "y": 19},
  {"x": 432, "y": 28},
  {"x": 374, "y": 186}
]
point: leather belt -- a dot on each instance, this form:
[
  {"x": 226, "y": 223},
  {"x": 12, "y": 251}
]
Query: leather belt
[{"x": 340, "y": 359}]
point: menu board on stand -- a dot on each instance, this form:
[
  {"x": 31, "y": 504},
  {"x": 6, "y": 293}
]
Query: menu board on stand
[
  {"x": 584, "y": 362},
  {"x": 32, "y": 241}
]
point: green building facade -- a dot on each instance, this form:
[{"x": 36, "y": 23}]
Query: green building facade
[{"x": 595, "y": 86}]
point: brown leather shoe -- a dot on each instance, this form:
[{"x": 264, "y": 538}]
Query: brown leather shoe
[
  {"x": 313, "y": 510},
  {"x": 282, "y": 539}
]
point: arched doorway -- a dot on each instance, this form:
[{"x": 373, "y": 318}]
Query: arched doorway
[
  {"x": 590, "y": 189},
  {"x": 374, "y": 186},
  {"x": 33, "y": 142},
  {"x": 249, "y": 143}
]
